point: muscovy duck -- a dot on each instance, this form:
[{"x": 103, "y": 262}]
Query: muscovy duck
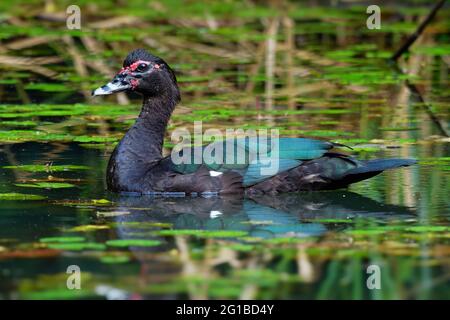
[{"x": 138, "y": 166}]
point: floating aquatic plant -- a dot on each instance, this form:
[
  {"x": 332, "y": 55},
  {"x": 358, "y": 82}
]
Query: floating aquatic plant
[
  {"x": 133, "y": 243},
  {"x": 46, "y": 185},
  {"x": 62, "y": 239},
  {"x": 204, "y": 233},
  {"x": 47, "y": 168},
  {"x": 20, "y": 196}
]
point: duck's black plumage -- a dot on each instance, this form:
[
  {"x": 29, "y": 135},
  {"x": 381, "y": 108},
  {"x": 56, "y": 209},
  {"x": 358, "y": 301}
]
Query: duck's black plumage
[{"x": 137, "y": 164}]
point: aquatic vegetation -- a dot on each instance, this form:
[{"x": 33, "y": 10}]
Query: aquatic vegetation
[
  {"x": 58, "y": 294},
  {"x": 46, "y": 185},
  {"x": 114, "y": 259},
  {"x": 47, "y": 167},
  {"x": 428, "y": 229},
  {"x": 204, "y": 233},
  {"x": 76, "y": 246},
  {"x": 143, "y": 224},
  {"x": 26, "y": 123},
  {"x": 100, "y": 201},
  {"x": 20, "y": 196},
  {"x": 88, "y": 228},
  {"x": 109, "y": 214},
  {"x": 62, "y": 239},
  {"x": 133, "y": 243}
]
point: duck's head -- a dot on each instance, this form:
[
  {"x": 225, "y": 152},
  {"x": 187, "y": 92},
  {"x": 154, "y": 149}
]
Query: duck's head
[{"x": 143, "y": 73}]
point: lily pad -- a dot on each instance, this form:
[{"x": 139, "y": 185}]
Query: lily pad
[
  {"x": 47, "y": 168},
  {"x": 427, "y": 229},
  {"x": 113, "y": 259},
  {"x": 20, "y": 196},
  {"x": 100, "y": 201},
  {"x": 77, "y": 246},
  {"x": 366, "y": 232},
  {"x": 133, "y": 243},
  {"x": 46, "y": 185},
  {"x": 204, "y": 233},
  {"x": 62, "y": 239},
  {"x": 88, "y": 228}
]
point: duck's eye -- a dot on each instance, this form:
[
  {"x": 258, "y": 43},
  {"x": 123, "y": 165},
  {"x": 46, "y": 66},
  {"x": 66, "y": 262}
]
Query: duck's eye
[{"x": 142, "y": 67}]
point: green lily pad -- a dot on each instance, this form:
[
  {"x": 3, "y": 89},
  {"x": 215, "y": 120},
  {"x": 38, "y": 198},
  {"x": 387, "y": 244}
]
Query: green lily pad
[
  {"x": 47, "y": 168},
  {"x": 20, "y": 196},
  {"x": 242, "y": 247},
  {"x": 46, "y": 185},
  {"x": 427, "y": 229},
  {"x": 142, "y": 224},
  {"x": 88, "y": 228},
  {"x": 95, "y": 139},
  {"x": 113, "y": 259},
  {"x": 100, "y": 201},
  {"x": 365, "y": 232},
  {"x": 59, "y": 294},
  {"x": 203, "y": 233},
  {"x": 62, "y": 239},
  {"x": 77, "y": 246},
  {"x": 133, "y": 243},
  {"x": 26, "y": 123}
]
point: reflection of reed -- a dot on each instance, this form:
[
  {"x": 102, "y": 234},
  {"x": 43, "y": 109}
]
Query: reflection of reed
[
  {"x": 189, "y": 269},
  {"x": 271, "y": 47},
  {"x": 306, "y": 270},
  {"x": 398, "y": 117},
  {"x": 288, "y": 25}
]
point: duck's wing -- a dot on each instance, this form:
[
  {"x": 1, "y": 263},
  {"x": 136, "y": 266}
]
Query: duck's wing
[
  {"x": 255, "y": 159},
  {"x": 291, "y": 164}
]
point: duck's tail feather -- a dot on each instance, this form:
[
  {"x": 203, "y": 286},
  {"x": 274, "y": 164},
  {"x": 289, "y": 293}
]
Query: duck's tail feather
[
  {"x": 332, "y": 171},
  {"x": 368, "y": 169},
  {"x": 379, "y": 165}
]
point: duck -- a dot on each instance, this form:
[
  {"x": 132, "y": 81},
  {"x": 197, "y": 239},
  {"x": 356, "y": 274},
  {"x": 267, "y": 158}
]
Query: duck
[{"x": 137, "y": 164}]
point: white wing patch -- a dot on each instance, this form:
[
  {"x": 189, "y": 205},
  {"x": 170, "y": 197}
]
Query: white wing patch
[
  {"x": 215, "y": 173},
  {"x": 214, "y": 214}
]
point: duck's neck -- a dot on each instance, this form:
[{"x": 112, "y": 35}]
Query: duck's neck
[
  {"x": 140, "y": 147},
  {"x": 144, "y": 140}
]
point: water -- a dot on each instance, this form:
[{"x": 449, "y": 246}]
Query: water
[{"x": 330, "y": 85}]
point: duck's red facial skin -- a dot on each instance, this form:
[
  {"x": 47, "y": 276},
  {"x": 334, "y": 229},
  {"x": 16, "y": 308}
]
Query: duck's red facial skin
[
  {"x": 134, "y": 83},
  {"x": 132, "y": 71},
  {"x": 132, "y": 68}
]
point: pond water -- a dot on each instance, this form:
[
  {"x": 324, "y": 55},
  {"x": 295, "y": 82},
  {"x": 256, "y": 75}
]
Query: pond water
[{"x": 330, "y": 81}]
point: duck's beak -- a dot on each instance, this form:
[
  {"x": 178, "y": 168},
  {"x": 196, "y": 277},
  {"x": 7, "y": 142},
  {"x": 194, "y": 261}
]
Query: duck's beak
[{"x": 118, "y": 84}]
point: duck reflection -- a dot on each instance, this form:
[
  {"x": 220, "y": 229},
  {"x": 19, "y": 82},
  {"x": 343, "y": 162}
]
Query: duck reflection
[
  {"x": 287, "y": 215},
  {"x": 265, "y": 217}
]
